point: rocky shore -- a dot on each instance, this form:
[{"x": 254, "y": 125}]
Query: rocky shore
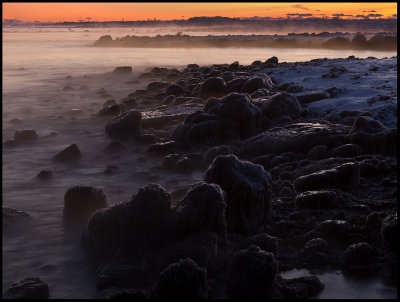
[{"x": 298, "y": 165}]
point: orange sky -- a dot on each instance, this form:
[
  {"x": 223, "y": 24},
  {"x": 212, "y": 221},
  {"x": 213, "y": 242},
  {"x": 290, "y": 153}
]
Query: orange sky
[{"x": 56, "y": 12}]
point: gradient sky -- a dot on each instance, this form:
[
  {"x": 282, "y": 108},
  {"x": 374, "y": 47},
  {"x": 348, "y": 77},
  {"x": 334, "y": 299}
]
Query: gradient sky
[{"x": 56, "y": 12}]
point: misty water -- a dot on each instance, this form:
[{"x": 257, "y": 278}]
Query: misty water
[{"x": 36, "y": 63}]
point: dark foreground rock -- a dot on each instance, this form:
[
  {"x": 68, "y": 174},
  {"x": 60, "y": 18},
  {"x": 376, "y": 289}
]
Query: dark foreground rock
[
  {"x": 29, "y": 288},
  {"x": 297, "y": 288},
  {"x": 81, "y": 201},
  {"x": 248, "y": 192},
  {"x": 125, "y": 126},
  {"x": 252, "y": 274},
  {"x": 25, "y": 135},
  {"x": 184, "y": 279},
  {"x": 45, "y": 174}
]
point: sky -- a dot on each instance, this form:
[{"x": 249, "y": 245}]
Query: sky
[{"x": 58, "y": 12}]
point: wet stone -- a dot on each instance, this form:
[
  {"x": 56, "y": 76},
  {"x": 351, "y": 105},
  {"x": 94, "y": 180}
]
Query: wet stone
[{"x": 29, "y": 288}]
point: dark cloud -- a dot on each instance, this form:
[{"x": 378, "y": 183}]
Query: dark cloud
[
  {"x": 372, "y": 11},
  {"x": 88, "y": 18},
  {"x": 375, "y": 15},
  {"x": 394, "y": 15},
  {"x": 300, "y": 7},
  {"x": 360, "y": 16},
  {"x": 342, "y": 15},
  {"x": 300, "y": 15}
]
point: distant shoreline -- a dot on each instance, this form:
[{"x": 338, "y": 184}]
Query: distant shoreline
[{"x": 378, "y": 42}]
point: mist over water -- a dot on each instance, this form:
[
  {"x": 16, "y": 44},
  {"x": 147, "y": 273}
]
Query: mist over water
[{"x": 35, "y": 65}]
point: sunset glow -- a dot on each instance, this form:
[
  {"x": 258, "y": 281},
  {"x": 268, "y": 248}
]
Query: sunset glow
[{"x": 58, "y": 12}]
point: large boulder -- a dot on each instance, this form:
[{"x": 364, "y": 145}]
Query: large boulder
[
  {"x": 248, "y": 189},
  {"x": 125, "y": 126},
  {"x": 359, "y": 256},
  {"x": 335, "y": 231},
  {"x": 265, "y": 242},
  {"x": 316, "y": 200},
  {"x": 345, "y": 177},
  {"x": 282, "y": 104},
  {"x": 256, "y": 82},
  {"x": 29, "y": 288},
  {"x": 25, "y": 135},
  {"x": 182, "y": 280},
  {"x": 252, "y": 274},
  {"x": 202, "y": 209},
  {"x": 81, "y": 201},
  {"x": 214, "y": 86},
  {"x": 297, "y": 137}
]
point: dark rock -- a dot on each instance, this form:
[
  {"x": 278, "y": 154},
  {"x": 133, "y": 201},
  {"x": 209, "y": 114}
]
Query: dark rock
[
  {"x": 157, "y": 85},
  {"x": 345, "y": 177},
  {"x": 389, "y": 232},
  {"x": 159, "y": 122},
  {"x": 45, "y": 174},
  {"x": 228, "y": 76},
  {"x": 123, "y": 226},
  {"x": 272, "y": 60},
  {"x": 170, "y": 99},
  {"x": 184, "y": 279},
  {"x": 25, "y": 135},
  {"x": 300, "y": 137},
  {"x": 214, "y": 86},
  {"x": 146, "y": 139},
  {"x": 281, "y": 104},
  {"x": 316, "y": 200},
  {"x": 67, "y": 88},
  {"x": 9, "y": 213},
  {"x": 81, "y": 201},
  {"x": 113, "y": 110},
  {"x": 11, "y": 143},
  {"x": 367, "y": 124},
  {"x": 125, "y": 126},
  {"x": 29, "y": 288},
  {"x": 215, "y": 151},
  {"x": 123, "y": 70},
  {"x": 129, "y": 103},
  {"x": 71, "y": 153},
  {"x": 174, "y": 89},
  {"x": 307, "y": 98},
  {"x": 202, "y": 209},
  {"x": 252, "y": 274},
  {"x": 184, "y": 165},
  {"x": 331, "y": 230},
  {"x": 315, "y": 252},
  {"x": 118, "y": 276},
  {"x": 235, "y": 85},
  {"x": 317, "y": 152},
  {"x": 165, "y": 148},
  {"x": 109, "y": 103},
  {"x": 248, "y": 189},
  {"x": 259, "y": 93},
  {"x": 383, "y": 142},
  {"x": 130, "y": 294},
  {"x": 265, "y": 242},
  {"x": 297, "y": 288},
  {"x": 253, "y": 84},
  {"x": 359, "y": 256},
  {"x": 346, "y": 150},
  {"x": 192, "y": 66}
]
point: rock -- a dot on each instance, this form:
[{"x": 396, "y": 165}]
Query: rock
[
  {"x": 251, "y": 274},
  {"x": 118, "y": 275},
  {"x": 308, "y": 97},
  {"x": 272, "y": 60},
  {"x": 113, "y": 110},
  {"x": 215, "y": 151},
  {"x": 71, "y": 153},
  {"x": 383, "y": 142},
  {"x": 214, "y": 86},
  {"x": 281, "y": 104},
  {"x": 315, "y": 252},
  {"x": 317, "y": 152},
  {"x": 192, "y": 66},
  {"x": 174, "y": 89},
  {"x": 202, "y": 209},
  {"x": 265, "y": 242},
  {"x": 298, "y": 137},
  {"x": 331, "y": 230},
  {"x": 29, "y": 288},
  {"x": 130, "y": 294},
  {"x": 146, "y": 139},
  {"x": 316, "y": 200},
  {"x": 297, "y": 288},
  {"x": 165, "y": 148},
  {"x": 154, "y": 86},
  {"x": 169, "y": 161},
  {"x": 109, "y": 103},
  {"x": 129, "y": 103},
  {"x": 123, "y": 226},
  {"x": 45, "y": 174},
  {"x": 367, "y": 124},
  {"x": 389, "y": 232},
  {"x": 184, "y": 165},
  {"x": 235, "y": 85},
  {"x": 81, "y": 201},
  {"x": 359, "y": 256},
  {"x": 9, "y": 213},
  {"x": 67, "y": 88},
  {"x": 159, "y": 122},
  {"x": 253, "y": 84},
  {"x": 25, "y": 135},
  {"x": 248, "y": 189},
  {"x": 346, "y": 150},
  {"x": 228, "y": 76},
  {"x": 170, "y": 99},
  {"x": 123, "y": 70},
  {"x": 247, "y": 117},
  {"x": 11, "y": 143},
  {"x": 345, "y": 177},
  {"x": 184, "y": 279},
  {"x": 259, "y": 93},
  {"x": 125, "y": 126}
]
